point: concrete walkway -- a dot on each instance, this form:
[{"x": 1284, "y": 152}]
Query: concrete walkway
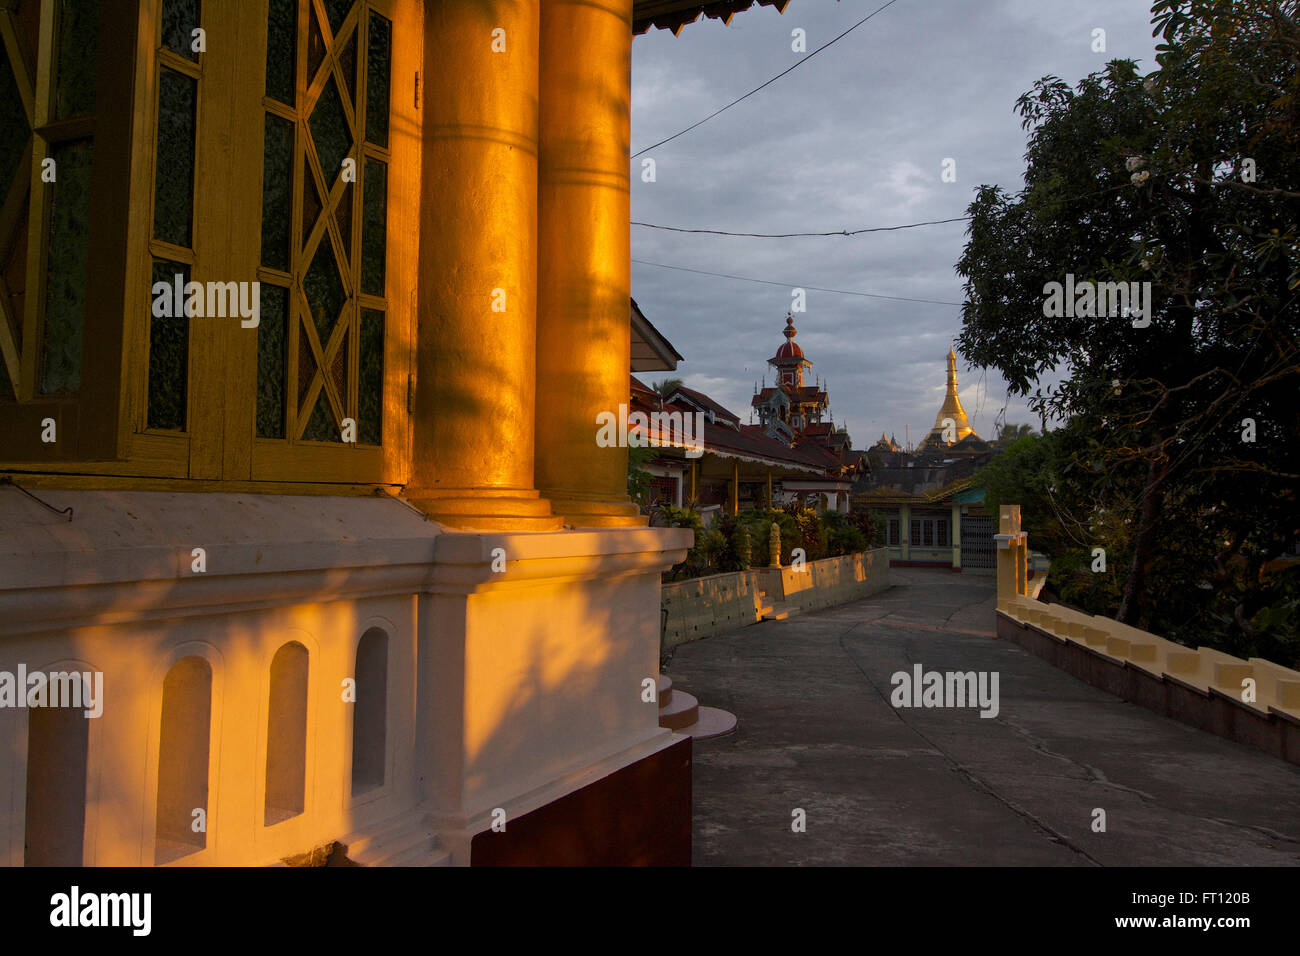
[{"x": 885, "y": 786}]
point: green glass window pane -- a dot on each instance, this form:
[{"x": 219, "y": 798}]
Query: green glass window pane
[
  {"x": 378, "y": 63},
  {"x": 277, "y": 181},
  {"x": 14, "y": 131},
  {"x": 27, "y": 24},
  {"x": 169, "y": 353},
  {"x": 173, "y": 199},
  {"x": 370, "y": 378},
  {"x": 348, "y": 64},
  {"x": 343, "y": 216},
  {"x": 78, "y": 45},
  {"x": 374, "y": 227},
  {"x": 13, "y": 271},
  {"x": 324, "y": 290},
  {"x": 306, "y": 366},
  {"x": 6, "y": 386},
  {"x": 272, "y": 353},
  {"x": 321, "y": 426},
  {"x": 330, "y": 133},
  {"x": 281, "y": 38},
  {"x": 337, "y": 10},
  {"x": 315, "y": 47},
  {"x": 311, "y": 205},
  {"x": 180, "y": 18},
  {"x": 339, "y": 369},
  {"x": 65, "y": 281}
]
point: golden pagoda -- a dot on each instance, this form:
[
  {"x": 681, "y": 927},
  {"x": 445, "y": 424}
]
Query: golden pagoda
[{"x": 951, "y": 409}]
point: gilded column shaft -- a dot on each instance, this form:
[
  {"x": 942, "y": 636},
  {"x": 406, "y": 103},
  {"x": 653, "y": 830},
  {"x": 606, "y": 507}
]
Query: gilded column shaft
[
  {"x": 584, "y": 249},
  {"x": 473, "y": 451}
]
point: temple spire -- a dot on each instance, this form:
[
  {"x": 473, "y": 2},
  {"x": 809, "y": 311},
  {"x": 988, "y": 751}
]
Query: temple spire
[{"x": 951, "y": 408}]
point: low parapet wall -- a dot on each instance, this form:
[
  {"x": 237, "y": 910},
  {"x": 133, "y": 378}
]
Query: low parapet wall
[
  {"x": 828, "y": 582},
  {"x": 702, "y": 607},
  {"x": 1251, "y": 701}
]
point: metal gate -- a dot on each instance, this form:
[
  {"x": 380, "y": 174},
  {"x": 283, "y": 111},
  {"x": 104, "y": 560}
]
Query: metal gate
[{"x": 977, "y": 541}]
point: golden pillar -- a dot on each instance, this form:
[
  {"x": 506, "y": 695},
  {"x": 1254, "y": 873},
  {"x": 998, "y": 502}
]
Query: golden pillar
[
  {"x": 735, "y": 487},
  {"x": 472, "y": 456},
  {"x": 584, "y": 257}
]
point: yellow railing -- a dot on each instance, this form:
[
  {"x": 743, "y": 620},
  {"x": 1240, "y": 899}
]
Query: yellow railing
[{"x": 1256, "y": 683}]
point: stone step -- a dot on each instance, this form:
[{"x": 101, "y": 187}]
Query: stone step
[
  {"x": 373, "y": 837},
  {"x": 403, "y": 839},
  {"x": 663, "y": 689},
  {"x": 712, "y": 722},
  {"x": 779, "y": 611},
  {"x": 682, "y": 711},
  {"x": 420, "y": 854}
]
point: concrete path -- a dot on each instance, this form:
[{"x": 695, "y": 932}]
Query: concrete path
[{"x": 886, "y": 786}]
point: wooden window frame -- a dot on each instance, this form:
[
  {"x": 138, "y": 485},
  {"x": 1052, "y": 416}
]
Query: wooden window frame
[
  {"x": 294, "y": 460},
  {"x": 88, "y": 421},
  {"x": 166, "y": 453},
  {"x": 102, "y": 430}
]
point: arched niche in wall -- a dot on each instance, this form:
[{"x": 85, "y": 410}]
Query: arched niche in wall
[
  {"x": 183, "y": 751},
  {"x": 286, "y": 734},
  {"x": 370, "y": 712},
  {"x": 58, "y": 748}
]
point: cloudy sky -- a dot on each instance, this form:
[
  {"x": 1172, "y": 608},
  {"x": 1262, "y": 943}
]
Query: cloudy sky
[{"x": 854, "y": 138}]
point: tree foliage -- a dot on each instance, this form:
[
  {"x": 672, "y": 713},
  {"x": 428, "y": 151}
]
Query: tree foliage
[
  {"x": 1009, "y": 433},
  {"x": 1185, "y": 432}
]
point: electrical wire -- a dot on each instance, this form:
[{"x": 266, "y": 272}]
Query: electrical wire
[
  {"x": 797, "y": 64},
  {"x": 794, "y": 285},
  {"x": 858, "y": 232},
  {"x": 795, "y": 235}
]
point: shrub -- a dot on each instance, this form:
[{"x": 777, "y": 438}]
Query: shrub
[
  {"x": 846, "y": 539},
  {"x": 734, "y": 553},
  {"x": 743, "y": 542},
  {"x": 811, "y": 531},
  {"x": 759, "y": 525}
]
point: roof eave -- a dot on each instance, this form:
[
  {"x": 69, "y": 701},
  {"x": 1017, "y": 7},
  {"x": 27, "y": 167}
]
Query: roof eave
[{"x": 676, "y": 14}]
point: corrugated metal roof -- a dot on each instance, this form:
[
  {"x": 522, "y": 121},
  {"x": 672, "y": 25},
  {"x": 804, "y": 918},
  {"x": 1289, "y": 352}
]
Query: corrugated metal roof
[{"x": 675, "y": 14}]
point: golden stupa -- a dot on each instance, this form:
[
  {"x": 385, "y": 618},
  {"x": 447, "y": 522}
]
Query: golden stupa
[{"x": 951, "y": 409}]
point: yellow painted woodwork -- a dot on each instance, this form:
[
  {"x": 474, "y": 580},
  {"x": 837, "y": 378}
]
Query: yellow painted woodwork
[{"x": 103, "y": 429}]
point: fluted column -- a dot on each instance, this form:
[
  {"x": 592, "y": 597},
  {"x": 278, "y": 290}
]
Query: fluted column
[
  {"x": 472, "y": 456},
  {"x": 584, "y": 268}
]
